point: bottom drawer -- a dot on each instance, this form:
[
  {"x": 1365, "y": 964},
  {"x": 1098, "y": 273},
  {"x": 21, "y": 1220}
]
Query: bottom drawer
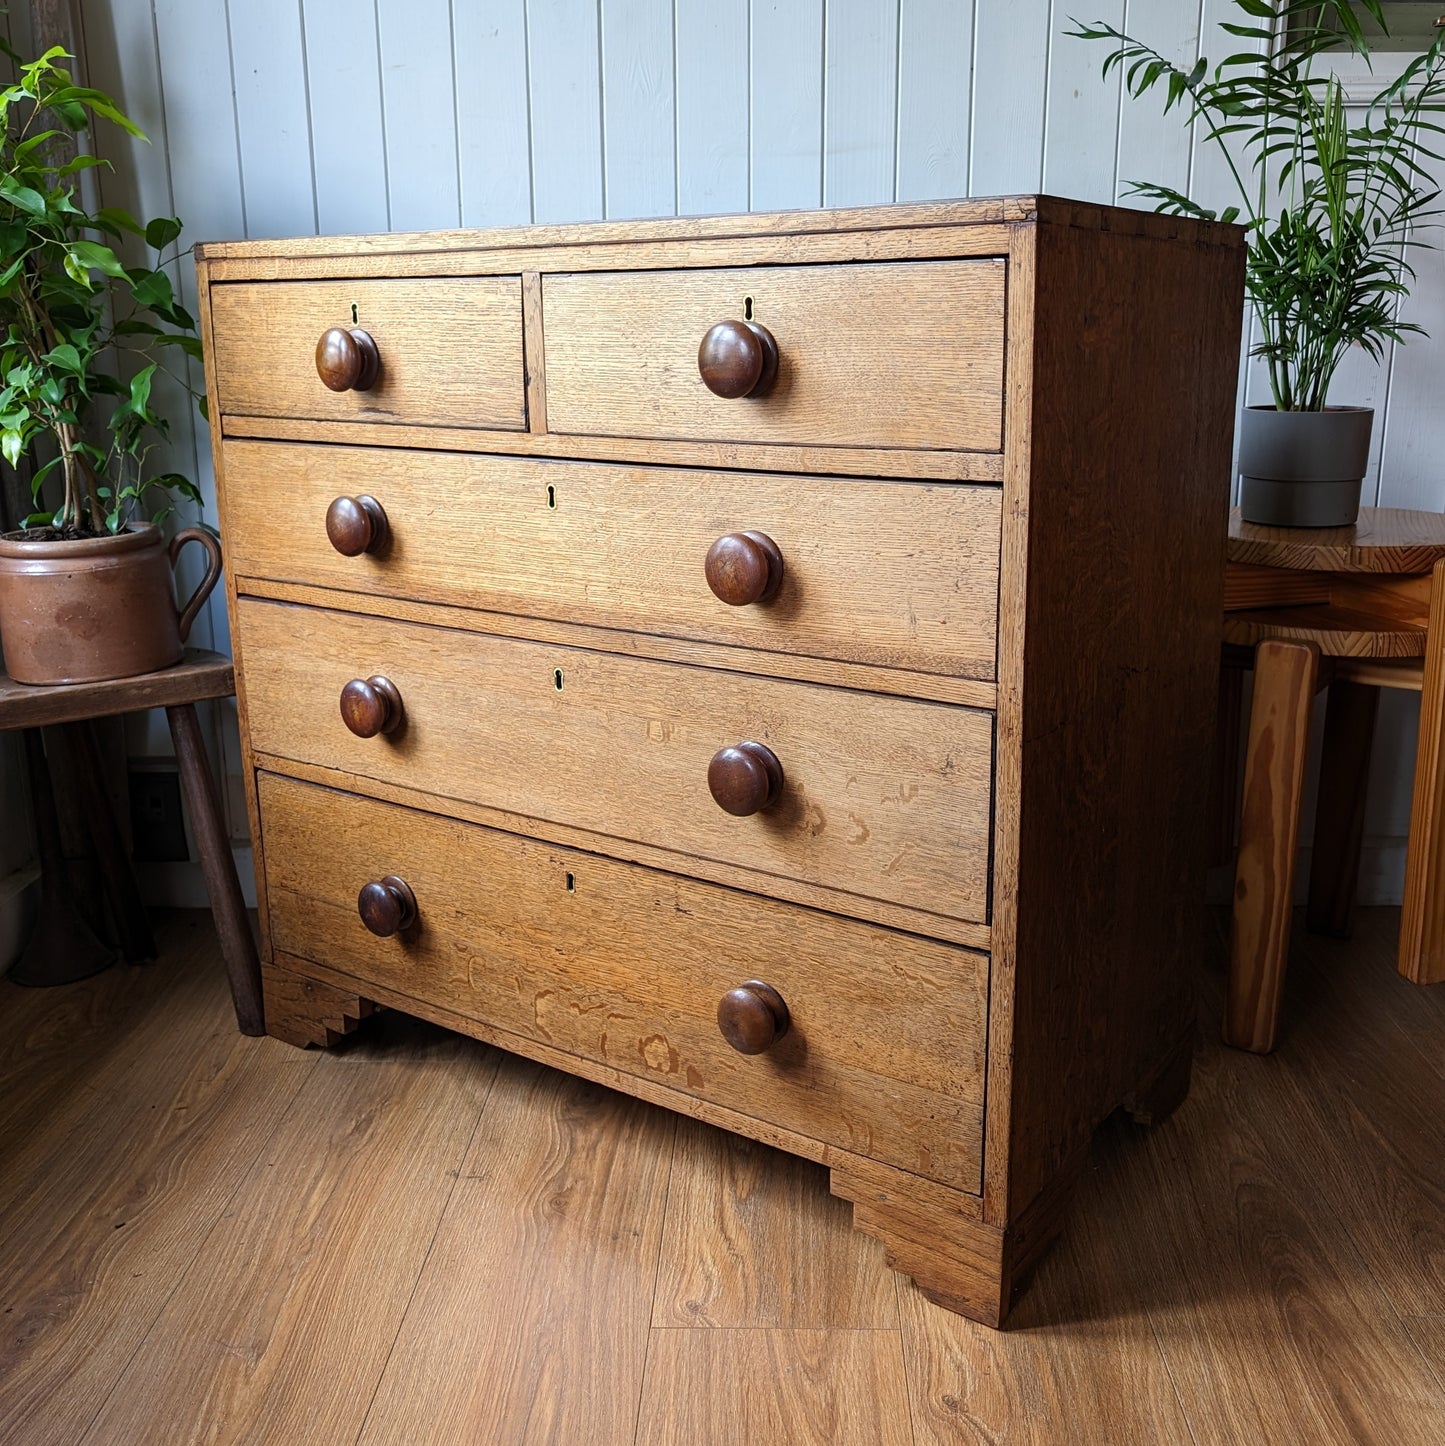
[{"x": 626, "y": 965}]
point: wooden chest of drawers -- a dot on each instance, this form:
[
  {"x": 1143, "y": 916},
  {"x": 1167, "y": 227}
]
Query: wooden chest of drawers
[{"x": 762, "y": 663}]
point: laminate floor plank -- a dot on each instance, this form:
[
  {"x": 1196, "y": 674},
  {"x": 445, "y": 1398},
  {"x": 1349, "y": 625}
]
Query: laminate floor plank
[
  {"x": 530, "y": 1321},
  {"x": 747, "y": 1387},
  {"x": 753, "y": 1238},
  {"x": 1428, "y": 1333},
  {"x": 281, "y": 1328},
  {"x": 113, "y": 1186}
]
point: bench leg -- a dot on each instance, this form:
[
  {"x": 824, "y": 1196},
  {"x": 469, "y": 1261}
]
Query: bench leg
[
  {"x": 1340, "y": 815},
  {"x": 1422, "y": 920},
  {"x": 218, "y": 867},
  {"x": 1285, "y": 674}
]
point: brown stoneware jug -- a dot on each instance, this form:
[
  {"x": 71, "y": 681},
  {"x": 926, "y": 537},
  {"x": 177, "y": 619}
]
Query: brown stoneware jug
[{"x": 83, "y": 610}]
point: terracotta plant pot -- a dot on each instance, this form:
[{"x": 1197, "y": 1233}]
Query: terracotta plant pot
[
  {"x": 1303, "y": 469},
  {"x": 82, "y": 610}
]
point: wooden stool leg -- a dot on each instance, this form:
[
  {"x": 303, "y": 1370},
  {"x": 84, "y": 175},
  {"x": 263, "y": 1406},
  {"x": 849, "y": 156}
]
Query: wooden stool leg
[
  {"x": 1422, "y": 920},
  {"x": 1279, "y": 724},
  {"x": 1340, "y": 815},
  {"x": 218, "y": 867}
]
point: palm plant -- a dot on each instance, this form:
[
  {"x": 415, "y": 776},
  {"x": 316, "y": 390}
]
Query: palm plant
[{"x": 1332, "y": 209}]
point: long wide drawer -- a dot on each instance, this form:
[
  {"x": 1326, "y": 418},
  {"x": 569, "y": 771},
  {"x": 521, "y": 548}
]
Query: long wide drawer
[
  {"x": 899, "y": 354},
  {"x": 450, "y": 350},
  {"x": 900, "y": 575},
  {"x": 884, "y": 1054},
  {"x": 884, "y": 797}
]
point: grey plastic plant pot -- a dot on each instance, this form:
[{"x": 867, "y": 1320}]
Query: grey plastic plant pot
[{"x": 1303, "y": 469}]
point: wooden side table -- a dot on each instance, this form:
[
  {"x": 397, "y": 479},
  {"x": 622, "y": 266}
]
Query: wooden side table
[
  {"x": 1355, "y": 608},
  {"x": 200, "y": 675}
]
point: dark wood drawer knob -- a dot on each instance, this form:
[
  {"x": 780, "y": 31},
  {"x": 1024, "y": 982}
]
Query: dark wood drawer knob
[
  {"x": 738, "y": 359},
  {"x": 387, "y": 906},
  {"x": 347, "y": 359},
  {"x": 357, "y": 524},
  {"x": 743, "y": 568},
  {"x": 745, "y": 779},
  {"x": 370, "y": 706},
  {"x": 752, "y": 1017}
]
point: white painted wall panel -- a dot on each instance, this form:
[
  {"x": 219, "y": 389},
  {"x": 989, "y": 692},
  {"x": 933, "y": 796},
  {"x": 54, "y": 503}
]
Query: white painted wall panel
[
  {"x": 712, "y": 106},
  {"x": 493, "y": 143},
  {"x": 343, "y": 78},
  {"x": 1010, "y": 77},
  {"x": 418, "y": 95},
  {"x": 786, "y": 67},
  {"x": 1082, "y": 142},
  {"x": 565, "y": 80},
  {"x": 935, "y": 76},
  {"x": 860, "y": 102},
  {"x": 638, "y": 110}
]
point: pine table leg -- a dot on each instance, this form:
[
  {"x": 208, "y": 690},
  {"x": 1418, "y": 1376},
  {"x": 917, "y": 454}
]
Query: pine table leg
[
  {"x": 1340, "y": 814},
  {"x": 218, "y": 867},
  {"x": 1285, "y": 674}
]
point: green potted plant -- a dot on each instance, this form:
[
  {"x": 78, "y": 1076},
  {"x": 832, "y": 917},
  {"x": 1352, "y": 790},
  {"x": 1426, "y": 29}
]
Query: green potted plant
[
  {"x": 86, "y": 589},
  {"x": 1332, "y": 210}
]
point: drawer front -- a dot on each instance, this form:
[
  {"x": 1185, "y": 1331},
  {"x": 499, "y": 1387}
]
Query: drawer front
[
  {"x": 450, "y": 350},
  {"x": 625, "y": 965},
  {"x": 907, "y": 354},
  {"x": 884, "y": 797},
  {"x": 896, "y": 574}
]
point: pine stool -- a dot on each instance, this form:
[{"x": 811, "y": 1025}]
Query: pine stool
[{"x": 1356, "y": 609}]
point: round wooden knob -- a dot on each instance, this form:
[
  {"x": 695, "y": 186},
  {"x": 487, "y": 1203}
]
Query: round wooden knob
[
  {"x": 357, "y": 524},
  {"x": 743, "y": 568},
  {"x": 387, "y": 906},
  {"x": 752, "y": 1017},
  {"x": 347, "y": 359},
  {"x": 745, "y": 779},
  {"x": 371, "y": 706},
  {"x": 738, "y": 359}
]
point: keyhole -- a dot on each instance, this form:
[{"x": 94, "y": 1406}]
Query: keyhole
[
  {"x": 571, "y": 883},
  {"x": 557, "y": 679},
  {"x": 355, "y": 318},
  {"x": 747, "y": 308},
  {"x": 551, "y": 495}
]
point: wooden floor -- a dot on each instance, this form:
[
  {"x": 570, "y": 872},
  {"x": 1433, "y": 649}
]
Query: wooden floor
[{"x": 417, "y": 1239}]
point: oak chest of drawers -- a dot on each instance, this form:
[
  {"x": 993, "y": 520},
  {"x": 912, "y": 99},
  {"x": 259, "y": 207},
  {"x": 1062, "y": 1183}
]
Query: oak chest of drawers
[{"x": 763, "y": 664}]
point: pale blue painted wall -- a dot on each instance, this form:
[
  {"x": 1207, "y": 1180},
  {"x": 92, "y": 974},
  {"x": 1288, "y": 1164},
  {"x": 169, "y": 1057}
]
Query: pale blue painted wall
[{"x": 288, "y": 117}]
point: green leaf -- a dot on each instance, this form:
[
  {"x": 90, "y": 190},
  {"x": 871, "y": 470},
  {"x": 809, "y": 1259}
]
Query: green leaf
[
  {"x": 162, "y": 231},
  {"x": 64, "y": 356},
  {"x": 23, "y": 198},
  {"x": 11, "y": 445},
  {"x": 152, "y": 289},
  {"x": 96, "y": 257},
  {"x": 117, "y": 222}
]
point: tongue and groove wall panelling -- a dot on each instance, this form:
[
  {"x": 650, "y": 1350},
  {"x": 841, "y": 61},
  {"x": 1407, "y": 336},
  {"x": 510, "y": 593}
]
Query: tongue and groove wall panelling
[
  {"x": 713, "y": 111},
  {"x": 343, "y": 84},
  {"x": 565, "y": 84},
  {"x": 494, "y": 151},
  {"x": 860, "y": 102},
  {"x": 786, "y": 135},
  {"x": 1010, "y": 79},
  {"x": 639, "y": 107},
  {"x": 935, "y": 76},
  {"x": 418, "y": 96},
  {"x": 1083, "y": 111}
]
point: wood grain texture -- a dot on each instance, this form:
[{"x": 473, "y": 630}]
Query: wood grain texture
[
  {"x": 1106, "y": 698},
  {"x": 869, "y": 356},
  {"x": 322, "y": 1244},
  {"x": 754, "y": 1239},
  {"x": 545, "y": 1260},
  {"x": 534, "y": 351},
  {"x": 1385, "y": 539},
  {"x": 884, "y": 797},
  {"x": 1335, "y": 630},
  {"x": 843, "y": 1386},
  {"x": 625, "y": 966},
  {"x": 129, "y": 1160},
  {"x": 624, "y": 548},
  {"x": 451, "y": 351},
  {"x": 1422, "y": 920},
  {"x": 199, "y": 675},
  {"x": 1285, "y": 675}
]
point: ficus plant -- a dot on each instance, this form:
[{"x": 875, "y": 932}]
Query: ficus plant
[
  {"x": 71, "y": 314},
  {"x": 1332, "y": 208}
]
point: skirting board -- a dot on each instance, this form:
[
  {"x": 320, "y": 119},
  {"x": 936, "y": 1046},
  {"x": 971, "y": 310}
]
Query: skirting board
[
  {"x": 1382, "y": 875},
  {"x": 180, "y": 886}
]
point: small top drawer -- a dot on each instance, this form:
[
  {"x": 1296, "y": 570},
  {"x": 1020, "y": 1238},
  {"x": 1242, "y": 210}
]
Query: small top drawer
[
  {"x": 448, "y": 351},
  {"x": 895, "y": 355}
]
